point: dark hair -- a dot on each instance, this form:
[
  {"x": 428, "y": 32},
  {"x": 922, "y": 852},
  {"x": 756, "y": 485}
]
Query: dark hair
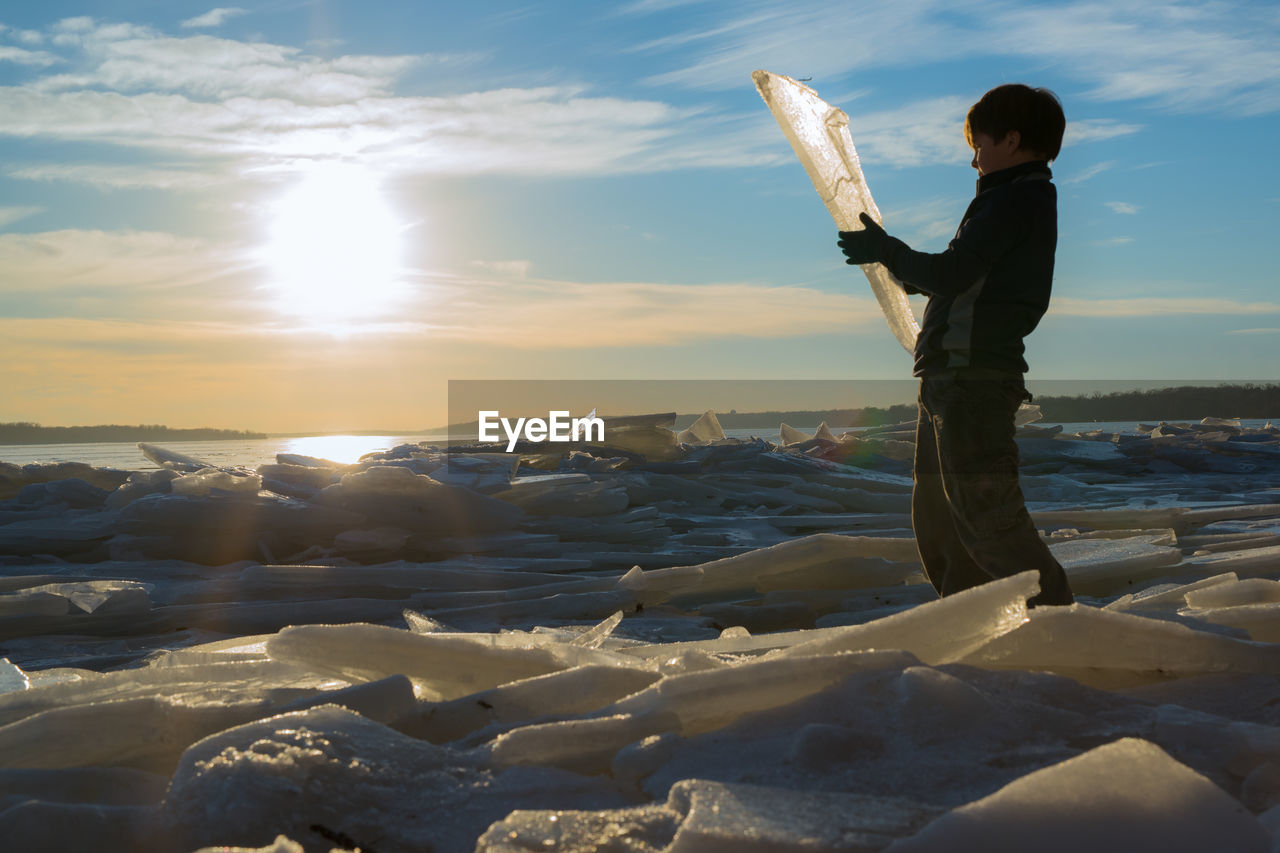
[{"x": 1035, "y": 113}]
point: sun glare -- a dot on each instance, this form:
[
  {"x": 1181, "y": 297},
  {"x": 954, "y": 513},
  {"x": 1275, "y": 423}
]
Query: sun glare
[
  {"x": 334, "y": 249},
  {"x": 339, "y": 448}
]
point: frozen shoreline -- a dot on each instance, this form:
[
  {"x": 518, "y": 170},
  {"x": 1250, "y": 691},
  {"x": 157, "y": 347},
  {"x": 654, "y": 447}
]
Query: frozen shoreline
[{"x": 774, "y": 643}]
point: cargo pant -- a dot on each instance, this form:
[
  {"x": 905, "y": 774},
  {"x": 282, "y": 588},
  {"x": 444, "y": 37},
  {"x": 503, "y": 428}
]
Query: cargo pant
[{"x": 970, "y": 520}]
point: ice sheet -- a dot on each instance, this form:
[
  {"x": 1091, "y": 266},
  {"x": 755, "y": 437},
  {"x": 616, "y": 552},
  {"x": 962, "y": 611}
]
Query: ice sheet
[
  {"x": 1127, "y": 795},
  {"x": 819, "y": 134}
]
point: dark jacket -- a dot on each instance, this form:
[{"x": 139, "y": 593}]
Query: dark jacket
[{"x": 990, "y": 287}]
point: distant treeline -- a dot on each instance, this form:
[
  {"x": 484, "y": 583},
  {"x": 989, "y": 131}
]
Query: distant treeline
[
  {"x": 29, "y": 433},
  {"x": 870, "y": 416},
  {"x": 1183, "y": 403}
]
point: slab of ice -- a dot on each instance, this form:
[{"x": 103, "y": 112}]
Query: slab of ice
[
  {"x": 688, "y": 703},
  {"x": 572, "y": 691},
  {"x": 941, "y": 631},
  {"x": 372, "y": 785},
  {"x": 1231, "y": 592},
  {"x": 1104, "y": 566},
  {"x": 166, "y": 458},
  {"x": 116, "y": 596},
  {"x": 12, "y": 678},
  {"x": 1126, "y": 795},
  {"x": 1261, "y": 621},
  {"x": 206, "y": 480},
  {"x": 823, "y": 560},
  {"x": 1110, "y": 649},
  {"x": 702, "y": 816},
  {"x": 442, "y": 666},
  {"x": 1170, "y": 595},
  {"x": 705, "y": 429},
  {"x": 819, "y": 134}
]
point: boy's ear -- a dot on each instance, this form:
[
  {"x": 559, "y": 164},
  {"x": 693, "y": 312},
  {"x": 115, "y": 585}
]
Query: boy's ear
[{"x": 1012, "y": 141}]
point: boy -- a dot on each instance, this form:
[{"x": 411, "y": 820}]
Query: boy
[{"x": 987, "y": 291}]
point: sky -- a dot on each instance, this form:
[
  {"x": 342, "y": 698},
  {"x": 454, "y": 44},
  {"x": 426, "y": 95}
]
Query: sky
[{"x": 295, "y": 216}]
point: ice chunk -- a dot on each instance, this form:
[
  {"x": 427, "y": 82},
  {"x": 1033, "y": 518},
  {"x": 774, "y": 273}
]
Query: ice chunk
[
  {"x": 114, "y": 596},
  {"x": 398, "y": 497},
  {"x": 12, "y": 678},
  {"x": 282, "y": 844},
  {"x": 702, "y": 816},
  {"x": 597, "y": 634},
  {"x": 1126, "y": 795},
  {"x": 572, "y": 691},
  {"x": 1262, "y": 621},
  {"x": 1110, "y": 649},
  {"x": 705, "y": 429},
  {"x": 442, "y": 666},
  {"x": 1169, "y": 595},
  {"x": 206, "y": 480},
  {"x": 1232, "y": 592},
  {"x": 688, "y": 703},
  {"x": 790, "y": 435},
  {"x": 823, "y": 560},
  {"x": 1104, "y": 566},
  {"x": 359, "y": 780},
  {"x": 171, "y": 458},
  {"x": 941, "y": 631},
  {"x": 819, "y": 134},
  {"x": 565, "y": 494}
]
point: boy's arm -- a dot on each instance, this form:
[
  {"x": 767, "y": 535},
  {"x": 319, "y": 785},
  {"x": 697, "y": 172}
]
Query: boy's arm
[{"x": 982, "y": 239}]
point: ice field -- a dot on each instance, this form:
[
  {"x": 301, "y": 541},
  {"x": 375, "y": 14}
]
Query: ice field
[{"x": 676, "y": 642}]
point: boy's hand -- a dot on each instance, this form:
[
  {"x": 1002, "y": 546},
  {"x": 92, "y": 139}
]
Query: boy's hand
[{"x": 866, "y": 246}]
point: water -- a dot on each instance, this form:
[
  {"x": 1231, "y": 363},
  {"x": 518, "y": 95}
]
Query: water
[
  {"x": 250, "y": 453},
  {"x": 247, "y": 453}
]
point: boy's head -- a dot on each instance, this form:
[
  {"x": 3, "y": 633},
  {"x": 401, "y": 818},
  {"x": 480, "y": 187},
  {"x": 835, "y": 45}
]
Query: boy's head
[{"x": 1034, "y": 114}]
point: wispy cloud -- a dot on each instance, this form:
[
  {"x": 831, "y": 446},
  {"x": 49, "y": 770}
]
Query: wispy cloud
[
  {"x": 1179, "y": 56},
  {"x": 262, "y": 106},
  {"x": 536, "y": 313},
  {"x": 214, "y": 17},
  {"x": 927, "y": 221},
  {"x": 1088, "y": 173},
  {"x": 22, "y": 56},
  {"x": 9, "y": 215},
  {"x": 1114, "y": 241},
  {"x": 1262, "y": 331},
  {"x": 118, "y": 176},
  {"x": 1122, "y": 207}
]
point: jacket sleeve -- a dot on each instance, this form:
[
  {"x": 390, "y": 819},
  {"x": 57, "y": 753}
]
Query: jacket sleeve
[{"x": 988, "y": 233}]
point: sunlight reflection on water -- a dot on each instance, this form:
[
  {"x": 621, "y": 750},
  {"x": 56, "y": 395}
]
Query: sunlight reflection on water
[{"x": 339, "y": 448}]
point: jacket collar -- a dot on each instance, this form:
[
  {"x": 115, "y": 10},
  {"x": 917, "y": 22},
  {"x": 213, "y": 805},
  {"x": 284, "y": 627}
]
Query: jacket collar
[{"x": 1032, "y": 168}]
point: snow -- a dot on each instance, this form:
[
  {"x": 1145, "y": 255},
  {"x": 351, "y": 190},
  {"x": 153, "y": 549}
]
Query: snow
[{"x": 418, "y": 650}]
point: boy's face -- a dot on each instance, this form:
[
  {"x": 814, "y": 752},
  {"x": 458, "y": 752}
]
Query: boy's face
[{"x": 992, "y": 156}]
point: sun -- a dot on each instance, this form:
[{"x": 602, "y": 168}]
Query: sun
[{"x": 334, "y": 249}]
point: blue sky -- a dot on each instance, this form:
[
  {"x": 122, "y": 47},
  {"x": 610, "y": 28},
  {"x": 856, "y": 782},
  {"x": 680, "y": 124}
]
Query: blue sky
[{"x": 294, "y": 216}]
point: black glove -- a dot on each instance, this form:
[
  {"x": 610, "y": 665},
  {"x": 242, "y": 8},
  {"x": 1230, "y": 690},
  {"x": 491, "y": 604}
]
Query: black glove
[{"x": 869, "y": 246}]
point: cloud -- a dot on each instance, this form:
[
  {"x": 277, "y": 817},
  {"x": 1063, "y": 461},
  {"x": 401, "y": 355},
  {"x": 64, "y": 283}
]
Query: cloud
[
  {"x": 931, "y": 220},
  {"x": 118, "y": 176},
  {"x": 1179, "y": 56},
  {"x": 542, "y": 314},
  {"x": 1090, "y": 172},
  {"x": 214, "y": 17},
  {"x": 1264, "y": 331},
  {"x": 1122, "y": 207},
  {"x": 1096, "y": 130},
  {"x": 9, "y": 215},
  {"x": 1158, "y": 306},
  {"x": 1113, "y": 241},
  {"x": 21, "y": 56}
]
